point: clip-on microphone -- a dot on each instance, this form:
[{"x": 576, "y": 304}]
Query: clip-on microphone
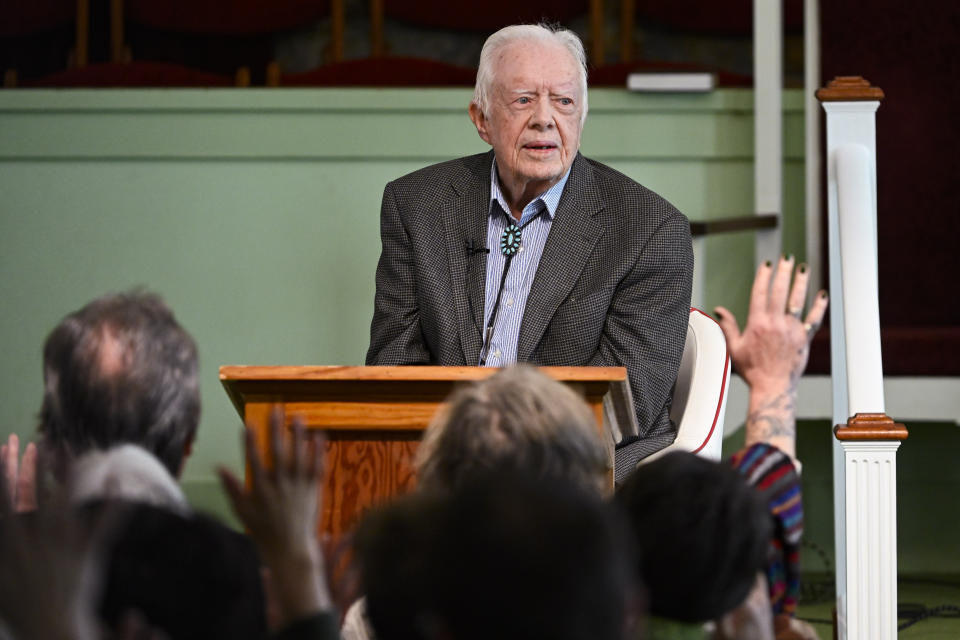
[{"x": 472, "y": 248}]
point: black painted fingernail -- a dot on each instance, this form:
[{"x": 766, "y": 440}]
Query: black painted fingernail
[
  {"x": 823, "y": 294},
  {"x": 768, "y": 263},
  {"x": 803, "y": 267},
  {"x": 789, "y": 257}
]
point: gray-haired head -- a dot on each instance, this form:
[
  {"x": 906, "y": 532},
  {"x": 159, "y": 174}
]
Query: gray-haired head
[
  {"x": 125, "y": 472},
  {"x": 539, "y": 33},
  {"x": 121, "y": 370},
  {"x": 516, "y": 420}
]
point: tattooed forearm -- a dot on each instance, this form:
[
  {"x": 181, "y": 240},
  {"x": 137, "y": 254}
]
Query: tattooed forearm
[{"x": 773, "y": 420}]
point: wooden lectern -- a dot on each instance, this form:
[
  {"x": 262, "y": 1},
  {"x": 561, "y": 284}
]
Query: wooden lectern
[{"x": 374, "y": 417}]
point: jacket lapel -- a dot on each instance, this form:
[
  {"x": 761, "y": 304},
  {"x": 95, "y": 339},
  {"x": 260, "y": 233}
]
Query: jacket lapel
[
  {"x": 573, "y": 235},
  {"x": 465, "y": 218}
]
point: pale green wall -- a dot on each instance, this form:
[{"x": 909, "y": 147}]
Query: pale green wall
[{"x": 255, "y": 213}]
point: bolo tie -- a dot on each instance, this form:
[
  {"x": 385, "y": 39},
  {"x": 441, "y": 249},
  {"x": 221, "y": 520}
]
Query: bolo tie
[{"x": 510, "y": 241}]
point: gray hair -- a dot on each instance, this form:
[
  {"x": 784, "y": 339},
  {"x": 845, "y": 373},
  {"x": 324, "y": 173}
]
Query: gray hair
[
  {"x": 121, "y": 370},
  {"x": 125, "y": 472},
  {"x": 519, "y": 420},
  {"x": 541, "y": 33}
]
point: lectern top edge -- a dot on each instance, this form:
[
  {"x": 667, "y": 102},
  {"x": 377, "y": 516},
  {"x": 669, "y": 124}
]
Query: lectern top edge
[{"x": 407, "y": 373}]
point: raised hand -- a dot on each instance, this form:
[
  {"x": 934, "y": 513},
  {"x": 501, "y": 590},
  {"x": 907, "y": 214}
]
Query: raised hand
[
  {"x": 772, "y": 351},
  {"x": 20, "y": 475},
  {"x": 280, "y": 511},
  {"x": 52, "y": 568},
  {"x": 774, "y": 346}
]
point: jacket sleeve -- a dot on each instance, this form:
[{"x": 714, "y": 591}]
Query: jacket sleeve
[
  {"x": 395, "y": 333},
  {"x": 645, "y": 330}
]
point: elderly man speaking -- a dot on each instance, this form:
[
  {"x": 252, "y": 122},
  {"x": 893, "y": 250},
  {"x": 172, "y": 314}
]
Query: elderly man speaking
[{"x": 532, "y": 252}]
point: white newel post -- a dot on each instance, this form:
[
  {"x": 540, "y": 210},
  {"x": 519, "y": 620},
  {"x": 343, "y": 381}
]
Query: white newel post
[{"x": 865, "y": 466}]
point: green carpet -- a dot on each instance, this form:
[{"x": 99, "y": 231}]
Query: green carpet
[
  {"x": 928, "y": 481},
  {"x": 916, "y": 594}
]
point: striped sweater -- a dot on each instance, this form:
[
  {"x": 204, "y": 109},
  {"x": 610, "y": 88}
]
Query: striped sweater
[{"x": 771, "y": 471}]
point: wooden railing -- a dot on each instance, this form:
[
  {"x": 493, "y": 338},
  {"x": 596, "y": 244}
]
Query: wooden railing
[
  {"x": 716, "y": 226},
  {"x": 702, "y": 229}
]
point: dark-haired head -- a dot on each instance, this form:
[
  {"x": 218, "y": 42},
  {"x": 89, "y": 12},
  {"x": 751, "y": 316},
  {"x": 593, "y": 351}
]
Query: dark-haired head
[
  {"x": 188, "y": 575},
  {"x": 506, "y": 556},
  {"x": 702, "y": 533},
  {"x": 121, "y": 370}
]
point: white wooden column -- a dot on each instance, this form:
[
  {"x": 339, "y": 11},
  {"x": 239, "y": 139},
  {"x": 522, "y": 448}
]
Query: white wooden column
[
  {"x": 768, "y": 122},
  {"x": 866, "y": 443}
]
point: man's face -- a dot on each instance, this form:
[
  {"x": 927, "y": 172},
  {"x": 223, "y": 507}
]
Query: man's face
[{"x": 533, "y": 119}]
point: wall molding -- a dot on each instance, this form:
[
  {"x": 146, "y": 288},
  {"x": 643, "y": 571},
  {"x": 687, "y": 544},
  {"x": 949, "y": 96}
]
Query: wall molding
[{"x": 338, "y": 124}]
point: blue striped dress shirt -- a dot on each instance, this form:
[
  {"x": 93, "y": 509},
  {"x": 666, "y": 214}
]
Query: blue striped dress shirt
[{"x": 542, "y": 209}]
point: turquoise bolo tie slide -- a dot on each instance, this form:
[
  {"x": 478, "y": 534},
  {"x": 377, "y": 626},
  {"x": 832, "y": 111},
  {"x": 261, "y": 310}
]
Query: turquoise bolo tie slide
[{"x": 510, "y": 240}]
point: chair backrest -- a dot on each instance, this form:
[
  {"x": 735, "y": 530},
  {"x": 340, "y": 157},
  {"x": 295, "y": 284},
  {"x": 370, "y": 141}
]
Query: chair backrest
[{"x": 700, "y": 393}]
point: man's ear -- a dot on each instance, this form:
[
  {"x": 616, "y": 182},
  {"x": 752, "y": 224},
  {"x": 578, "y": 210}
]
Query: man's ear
[
  {"x": 479, "y": 121},
  {"x": 187, "y": 450}
]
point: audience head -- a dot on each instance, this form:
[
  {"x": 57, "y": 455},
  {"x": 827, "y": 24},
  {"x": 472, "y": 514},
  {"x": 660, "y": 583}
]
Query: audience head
[
  {"x": 121, "y": 370},
  {"x": 501, "y": 556},
  {"x": 126, "y": 472},
  {"x": 189, "y": 577},
  {"x": 516, "y": 420},
  {"x": 703, "y": 535}
]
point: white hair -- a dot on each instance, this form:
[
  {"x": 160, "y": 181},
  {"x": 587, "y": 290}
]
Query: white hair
[
  {"x": 125, "y": 472},
  {"x": 541, "y": 33}
]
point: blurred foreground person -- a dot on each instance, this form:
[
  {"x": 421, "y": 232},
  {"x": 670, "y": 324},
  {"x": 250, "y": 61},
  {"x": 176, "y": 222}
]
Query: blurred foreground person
[
  {"x": 125, "y": 472},
  {"x": 517, "y": 421},
  {"x": 280, "y": 509},
  {"x": 721, "y": 543},
  {"x": 502, "y": 556},
  {"x": 702, "y": 534},
  {"x": 120, "y": 411},
  {"x": 120, "y": 370}
]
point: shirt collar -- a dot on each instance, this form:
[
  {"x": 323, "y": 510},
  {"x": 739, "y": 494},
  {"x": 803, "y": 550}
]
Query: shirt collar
[{"x": 549, "y": 199}]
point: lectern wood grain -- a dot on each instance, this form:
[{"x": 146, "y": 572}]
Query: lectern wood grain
[{"x": 373, "y": 418}]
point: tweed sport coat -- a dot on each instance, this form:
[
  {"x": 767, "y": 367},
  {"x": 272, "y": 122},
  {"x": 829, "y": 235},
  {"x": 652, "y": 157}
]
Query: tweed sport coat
[{"x": 612, "y": 287}]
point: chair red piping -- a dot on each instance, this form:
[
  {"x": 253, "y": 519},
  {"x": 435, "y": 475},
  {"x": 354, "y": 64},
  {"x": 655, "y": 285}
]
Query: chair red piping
[{"x": 723, "y": 385}]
